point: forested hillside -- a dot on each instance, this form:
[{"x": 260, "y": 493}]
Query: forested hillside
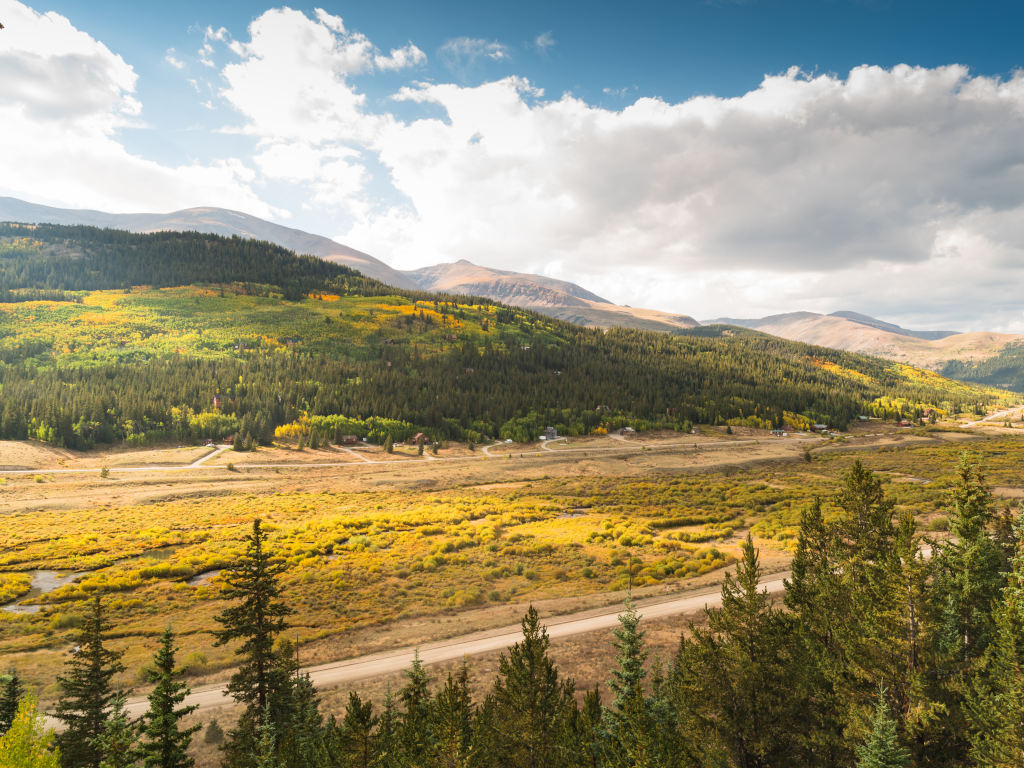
[{"x": 111, "y": 336}]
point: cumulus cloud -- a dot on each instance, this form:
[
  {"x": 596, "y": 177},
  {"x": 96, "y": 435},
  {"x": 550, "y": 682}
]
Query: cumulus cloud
[
  {"x": 400, "y": 58},
  {"x": 63, "y": 98},
  {"x": 814, "y": 192}
]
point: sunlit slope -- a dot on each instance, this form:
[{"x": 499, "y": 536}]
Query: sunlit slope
[{"x": 107, "y": 336}]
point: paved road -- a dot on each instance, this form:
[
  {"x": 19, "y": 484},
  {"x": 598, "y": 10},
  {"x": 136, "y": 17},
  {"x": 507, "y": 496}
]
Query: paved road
[{"x": 375, "y": 665}]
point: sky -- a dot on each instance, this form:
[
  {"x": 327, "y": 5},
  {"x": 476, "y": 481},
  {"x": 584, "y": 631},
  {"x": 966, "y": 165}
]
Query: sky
[{"x": 710, "y": 157}]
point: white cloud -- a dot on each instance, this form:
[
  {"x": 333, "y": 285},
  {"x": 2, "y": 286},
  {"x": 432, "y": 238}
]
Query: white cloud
[
  {"x": 460, "y": 52},
  {"x": 830, "y": 192},
  {"x": 171, "y": 58},
  {"x": 401, "y": 58},
  {"x": 544, "y": 41},
  {"x": 63, "y": 98}
]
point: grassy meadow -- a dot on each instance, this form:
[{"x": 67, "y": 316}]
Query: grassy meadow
[{"x": 361, "y": 560}]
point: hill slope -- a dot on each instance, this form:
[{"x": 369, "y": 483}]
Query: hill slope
[
  {"x": 86, "y": 356},
  {"x": 852, "y": 332},
  {"x": 555, "y": 298},
  {"x": 217, "y": 221}
]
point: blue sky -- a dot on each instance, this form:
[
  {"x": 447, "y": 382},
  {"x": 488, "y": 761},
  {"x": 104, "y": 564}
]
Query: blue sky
[{"x": 713, "y": 158}]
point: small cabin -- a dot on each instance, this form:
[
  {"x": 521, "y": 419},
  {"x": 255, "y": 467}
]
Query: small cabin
[
  {"x": 420, "y": 437},
  {"x": 779, "y": 432},
  {"x": 550, "y": 433},
  {"x": 349, "y": 440},
  {"x": 904, "y": 423},
  {"x": 819, "y": 428},
  {"x": 628, "y": 432}
]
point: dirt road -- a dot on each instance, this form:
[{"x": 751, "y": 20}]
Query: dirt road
[{"x": 363, "y": 667}]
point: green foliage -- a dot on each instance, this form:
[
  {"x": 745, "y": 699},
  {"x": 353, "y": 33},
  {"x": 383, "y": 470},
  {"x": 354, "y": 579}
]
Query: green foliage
[
  {"x": 88, "y": 698},
  {"x": 27, "y": 743},
  {"x": 164, "y": 742},
  {"x": 262, "y": 683},
  {"x": 882, "y": 748},
  {"x": 11, "y": 692},
  {"x": 525, "y": 720},
  {"x": 141, "y": 365}
]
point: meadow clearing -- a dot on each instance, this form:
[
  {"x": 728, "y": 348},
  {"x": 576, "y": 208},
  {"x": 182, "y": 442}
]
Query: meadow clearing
[{"x": 410, "y": 550}]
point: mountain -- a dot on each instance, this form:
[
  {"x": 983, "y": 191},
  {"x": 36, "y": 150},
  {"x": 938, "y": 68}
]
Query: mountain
[
  {"x": 109, "y": 336},
  {"x": 854, "y": 332},
  {"x": 857, "y": 317},
  {"x": 555, "y": 298},
  {"x": 216, "y": 221}
]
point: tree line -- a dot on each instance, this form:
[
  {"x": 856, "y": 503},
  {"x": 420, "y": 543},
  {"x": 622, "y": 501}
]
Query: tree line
[{"x": 879, "y": 657}]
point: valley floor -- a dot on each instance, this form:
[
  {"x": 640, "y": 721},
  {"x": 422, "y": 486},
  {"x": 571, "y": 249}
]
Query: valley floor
[{"x": 388, "y": 553}]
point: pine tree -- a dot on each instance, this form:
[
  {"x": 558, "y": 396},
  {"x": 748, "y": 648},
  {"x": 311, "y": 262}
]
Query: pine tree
[
  {"x": 882, "y": 748},
  {"x": 388, "y": 445},
  {"x": 527, "y": 719},
  {"x": 87, "y": 693},
  {"x": 730, "y": 683},
  {"x": 968, "y": 568},
  {"x": 303, "y": 744},
  {"x": 10, "y": 697},
  {"x": 629, "y": 726},
  {"x": 164, "y": 742},
  {"x": 414, "y": 732},
  {"x": 389, "y": 745},
  {"x": 451, "y": 723},
  {"x": 28, "y": 743},
  {"x": 118, "y": 740},
  {"x": 263, "y": 680},
  {"x": 357, "y": 745},
  {"x": 995, "y": 704}
]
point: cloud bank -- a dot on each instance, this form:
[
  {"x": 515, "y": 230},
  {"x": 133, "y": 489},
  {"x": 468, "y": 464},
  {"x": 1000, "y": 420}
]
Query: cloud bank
[{"x": 895, "y": 191}]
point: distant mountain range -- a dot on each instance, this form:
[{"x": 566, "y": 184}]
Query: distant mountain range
[
  {"x": 961, "y": 355},
  {"x": 854, "y": 332}
]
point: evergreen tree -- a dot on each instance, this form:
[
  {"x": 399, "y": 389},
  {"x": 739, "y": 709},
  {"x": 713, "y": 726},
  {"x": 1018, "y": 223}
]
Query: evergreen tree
[
  {"x": 389, "y": 745},
  {"x": 28, "y": 743},
  {"x": 816, "y": 671},
  {"x": 414, "y": 732},
  {"x": 882, "y": 748},
  {"x": 263, "y": 681},
  {"x": 117, "y": 743},
  {"x": 968, "y": 568},
  {"x": 451, "y": 723},
  {"x": 303, "y": 744},
  {"x": 590, "y": 733},
  {"x": 87, "y": 694},
  {"x": 730, "y": 683},
  {"x": 526, "y": 721},
  {"x": 164, "y": 742},
  {"x": 10, "y": 697},
  {"x": 356, "y": 746},
  {"x": 995, "y": 706}
]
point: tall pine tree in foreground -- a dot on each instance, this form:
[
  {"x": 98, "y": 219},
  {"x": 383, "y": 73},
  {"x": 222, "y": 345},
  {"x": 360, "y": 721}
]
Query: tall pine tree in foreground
[
  {"x": 164, "y": 742},
  {"x": 526, "y": 720},
  {"x": 263, "y": 681},
  {"x": 730, "y": 682},
  {"x": 87, "y": 693}
]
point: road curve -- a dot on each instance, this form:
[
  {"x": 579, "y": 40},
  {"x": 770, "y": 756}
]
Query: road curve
[{"x": 375, "y": 665}]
